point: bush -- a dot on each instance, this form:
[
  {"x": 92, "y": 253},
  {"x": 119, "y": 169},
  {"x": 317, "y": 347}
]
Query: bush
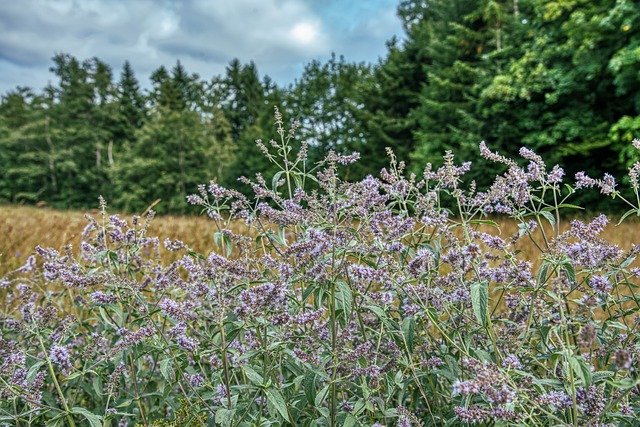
[{"x": 364, "y": 303}]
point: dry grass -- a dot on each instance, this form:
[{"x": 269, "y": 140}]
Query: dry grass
[{"x": 22, "y": 228}]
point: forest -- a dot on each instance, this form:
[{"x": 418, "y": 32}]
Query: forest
[{"x": 559, "y": 77}]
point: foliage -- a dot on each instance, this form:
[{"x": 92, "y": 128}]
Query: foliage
[
  {"x": 559, "y": 77},
  {"x": 356, "y": 303}
]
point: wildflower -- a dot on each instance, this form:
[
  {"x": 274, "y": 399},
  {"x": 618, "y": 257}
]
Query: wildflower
[
  {"x": 626, "y": 410},
  {"x": 472, "y": 415},
  {"x": 174, "y": 245},
  {"x": 29, "y": 265},
  {"x": 512, "y": 361},
  {"x": 622, "y": 359},
  {"x": 556, "y": 175},
  {"x": 600, "y": 284},
  {"x": 101, "y": 298},
  {"x": 196, "y": 380},
  {"x": 557, "y": 399},
  {"x": 183, "y": 312},
  {"x": 584, "y": 181},
  {"x": 61, "y": 357}
]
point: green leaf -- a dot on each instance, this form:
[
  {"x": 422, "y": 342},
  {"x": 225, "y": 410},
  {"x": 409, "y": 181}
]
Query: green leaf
[
  {"x": 94, "y": 420},
  {"x": 344, "y": 297},
  {"x": 549, "y": 217},
  {"x": 379, "y": 312},
  {"x": 275, "y": 398},
  {"x": 223, "y": 241},
  {"x": 224, "y": 416},
  {"x": 97, "y": 386},
  {"x": 480, "y": 301},
  {"x": 581, "y": 369},
  {"x": 310, "y": 387},
  {"x": 320, "y": 397},
  {"x": 165, "y": 369},
  {"x": 350, "y": 421},
  {"x": 542, "y": 273},
  {"x": 568, "y": 268},
  {"x": 275, "y": 179},
  {"x": 569, "y": 206},
  {"x": 627, "y": 213},
  {"x": 33, "y": 371},
  {"x": 408, "y": 331},
  {"x": 627, "y": 262},
  {"x": 253, "y": 376}
]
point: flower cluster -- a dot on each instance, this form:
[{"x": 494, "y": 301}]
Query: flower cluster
[{"x": 391, "y": 300}]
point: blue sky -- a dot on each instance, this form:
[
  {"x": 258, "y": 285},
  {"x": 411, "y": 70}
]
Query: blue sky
[{"x": 281, "y": 36}]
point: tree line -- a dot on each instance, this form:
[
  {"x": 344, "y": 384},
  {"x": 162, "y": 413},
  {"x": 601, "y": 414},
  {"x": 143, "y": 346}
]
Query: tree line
[{"x": 560, "y": 77}]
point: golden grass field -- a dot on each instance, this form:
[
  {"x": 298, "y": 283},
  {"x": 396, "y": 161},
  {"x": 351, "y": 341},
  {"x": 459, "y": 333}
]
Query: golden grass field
[{"x": 22, "y": 228}]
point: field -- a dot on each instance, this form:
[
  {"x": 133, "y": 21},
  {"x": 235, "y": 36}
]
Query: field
[{"x": 24, "y": 227}]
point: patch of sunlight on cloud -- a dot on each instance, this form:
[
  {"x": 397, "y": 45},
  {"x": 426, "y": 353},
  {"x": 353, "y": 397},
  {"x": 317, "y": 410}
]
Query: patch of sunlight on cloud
[{"x": 304, "y": 32}]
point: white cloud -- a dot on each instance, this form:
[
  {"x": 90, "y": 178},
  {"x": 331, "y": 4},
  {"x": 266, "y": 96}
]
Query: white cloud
[{"x": 279, "y": 35}]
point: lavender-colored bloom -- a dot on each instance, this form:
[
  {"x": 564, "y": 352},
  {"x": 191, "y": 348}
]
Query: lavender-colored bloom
[
  {"x": 466, "y": 388},
  {"x": 584, "y": 181},
  {"x": 557, "y": 399},
  {"x": 600, "y": 284},
  {"x": 608, "y": 184},
  {"x": 130, "y": 339},
  {"x": 472, "y": 415},
  {"x": 196, "y": 380},
  {"x": 29, "y": 265},
  {"x": 194, "y": 199},
  {"x": 101, "y": 298},
  {"x": 60, "y": 356},
  {"x": 183, "y": 312},
  {"x": 260, "y": 298},
  {"x": 174, "y": 245},
  {"x": 556, "y": 175},
  {"x": 591, "y": 400},
  {"x": 626, "y": 410},
  {"x": 512, "y": 361},
  {"x": 114, "y": 378},
  {"x": 221, "y": 392}
]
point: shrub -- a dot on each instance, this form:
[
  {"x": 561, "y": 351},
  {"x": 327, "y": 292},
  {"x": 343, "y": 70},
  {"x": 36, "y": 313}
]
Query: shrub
[{"x": 345, "y": 303}]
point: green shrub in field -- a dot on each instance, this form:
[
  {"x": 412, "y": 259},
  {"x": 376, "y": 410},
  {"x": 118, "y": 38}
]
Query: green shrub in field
[{"x": 344, "y": 303}]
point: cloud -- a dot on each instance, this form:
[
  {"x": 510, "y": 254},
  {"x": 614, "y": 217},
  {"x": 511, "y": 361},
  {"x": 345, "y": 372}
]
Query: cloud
[{"x": 280, "y": 36}]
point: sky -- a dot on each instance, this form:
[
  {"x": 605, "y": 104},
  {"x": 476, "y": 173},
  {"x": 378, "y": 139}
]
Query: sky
[{"x": 280, "y": 36}]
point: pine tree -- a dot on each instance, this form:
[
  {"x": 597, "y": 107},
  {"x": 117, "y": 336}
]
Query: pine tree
[{"x": 131, "y": 103}]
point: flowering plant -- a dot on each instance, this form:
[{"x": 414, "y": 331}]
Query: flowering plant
[{"x": 391, "y": 300}]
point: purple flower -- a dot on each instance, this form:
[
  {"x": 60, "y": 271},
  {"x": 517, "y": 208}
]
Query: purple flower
[
  {"x": 472, "y": 415},
  {"x": 584, "y": 181},
  {"x": 556, "y": 175},
  {"x": 29, "y": 265},
  {"x": 512, "y": 361},
  {"x": 61, "y": 357},
  {"x": 558, "y": 399},
  {"x": 600, "y": 284},
  {"x": 101, "y": 298},
  {"x": 196, "y": 380}
]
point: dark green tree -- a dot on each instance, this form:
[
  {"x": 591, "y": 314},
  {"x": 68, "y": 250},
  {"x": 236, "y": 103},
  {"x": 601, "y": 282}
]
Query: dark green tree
[{"x": 327, "y": 102}]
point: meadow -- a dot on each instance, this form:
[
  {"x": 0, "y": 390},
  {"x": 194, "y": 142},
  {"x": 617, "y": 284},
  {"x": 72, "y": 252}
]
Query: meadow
[
  {"x": 317, "y": 301},
  {"x": 25, "y": 227}
]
